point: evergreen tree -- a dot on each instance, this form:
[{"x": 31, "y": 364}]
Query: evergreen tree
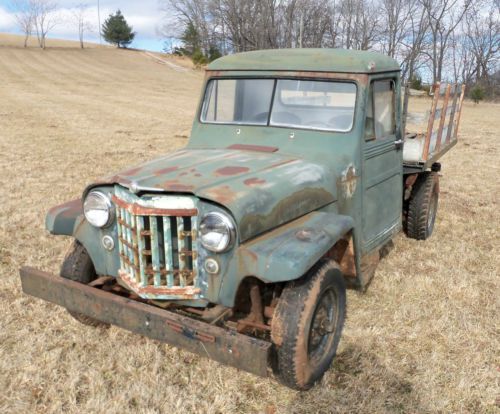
[
  {"x": 191, "y": 40},
  {"x": 214, "y": 53},
  {"x": 477, "y": 93},
  {"x": 117, "y": 31}
]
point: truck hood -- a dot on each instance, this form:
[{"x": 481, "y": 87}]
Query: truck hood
[{"x": 261, "y": 190}]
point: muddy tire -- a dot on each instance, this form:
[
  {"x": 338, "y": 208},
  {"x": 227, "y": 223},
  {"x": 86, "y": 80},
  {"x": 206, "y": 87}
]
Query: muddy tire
[
  {"x": 78, "y": 266},
  {"x": 307, "y": 325},
  {"x": 422, "y": 207}
]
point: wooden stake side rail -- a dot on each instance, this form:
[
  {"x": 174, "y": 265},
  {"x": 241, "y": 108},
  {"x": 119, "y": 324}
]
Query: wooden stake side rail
[{"x": 442, "y": 126}]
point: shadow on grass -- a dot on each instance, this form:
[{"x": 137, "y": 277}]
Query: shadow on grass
[{"x": 359, "y": 382}]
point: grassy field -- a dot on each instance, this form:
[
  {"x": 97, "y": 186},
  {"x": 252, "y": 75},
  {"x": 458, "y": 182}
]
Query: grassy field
[{"x": 422, "y": 339}]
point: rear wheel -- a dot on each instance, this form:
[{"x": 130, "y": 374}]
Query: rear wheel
[
  {"x": 307, "y": 325},
  {"x": 422, "y": 207},
  {"x": 78, "y": 266}
]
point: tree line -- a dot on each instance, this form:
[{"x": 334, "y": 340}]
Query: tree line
[
  {"x": 455, "y": 40},
  {"x": 39, "y": 17}
]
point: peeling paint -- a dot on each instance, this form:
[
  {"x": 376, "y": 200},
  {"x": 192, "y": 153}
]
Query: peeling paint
[
  {"x": 348, "y": 181},
  {"x": 231, "y": 170}
]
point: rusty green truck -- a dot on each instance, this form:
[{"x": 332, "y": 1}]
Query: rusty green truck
[{"x": 240, "y": 247}]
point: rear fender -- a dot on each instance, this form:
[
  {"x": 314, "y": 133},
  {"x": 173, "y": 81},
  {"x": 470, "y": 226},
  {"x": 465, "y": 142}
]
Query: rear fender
[{"x": 291, "y": 250}]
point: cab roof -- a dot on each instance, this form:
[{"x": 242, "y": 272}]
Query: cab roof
[{"x": 307, "y": 60}]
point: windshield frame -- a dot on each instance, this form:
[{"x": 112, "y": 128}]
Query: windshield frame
[{"x": 276, "y": 78}]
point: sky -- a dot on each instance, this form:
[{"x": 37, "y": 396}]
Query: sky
[{"x": 145, "y": 16}]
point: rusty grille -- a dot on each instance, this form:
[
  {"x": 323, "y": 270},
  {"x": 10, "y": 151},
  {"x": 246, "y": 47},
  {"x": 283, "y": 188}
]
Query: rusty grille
[{"x": 157, "y": 250}]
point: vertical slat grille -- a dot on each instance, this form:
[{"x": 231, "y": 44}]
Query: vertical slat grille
[
  {"x": 167, "y": 234},
  {"x": 157, "y": 251}
]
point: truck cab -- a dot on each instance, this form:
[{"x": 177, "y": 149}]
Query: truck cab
[{"x": 290, "y": 187}]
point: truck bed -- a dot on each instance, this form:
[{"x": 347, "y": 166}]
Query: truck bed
[{"x": 422, "y": 149}]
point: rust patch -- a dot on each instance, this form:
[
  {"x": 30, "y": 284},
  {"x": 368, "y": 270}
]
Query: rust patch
[
  {"x": 347, "y": 181},
  {"x": 132, "y": 171},
  {"x": 361, "y": 77},
  {"x": 279, "y": 164},
  {"x": 111, "y": 180},
  {"x": 166, "y": 170},
  {"x": 255, "y": 318},
  {"x": 410, "y": 180},
  {"x": 258, "y": 148},
  {"x": 222, "y": 194},
  {"x": 136, "y": 209},
  {"x": 254, "y": 182},
  {"x": 240, "y": 351},
  {"x": 69, "y": 209},
  {"x": 231, "y": 170},
  {"x": 175, "y": 185},
  {"x": 187, "y": 292},
  {"x": 343, "y": 253}
]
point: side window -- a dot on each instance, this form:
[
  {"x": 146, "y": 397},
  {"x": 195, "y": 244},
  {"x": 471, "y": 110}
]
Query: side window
[{"x": 380, "y": 116}]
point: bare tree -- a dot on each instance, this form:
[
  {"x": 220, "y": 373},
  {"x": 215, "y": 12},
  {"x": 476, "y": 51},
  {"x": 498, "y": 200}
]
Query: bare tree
[
  {"x": 476, "y": 47},
  {"x": 444, "y": 17},
  {"x": 396, "y": 24},
  {"x": 483, "y": 35},
  {"x": 421, "y": 34},
  {"x": 413, "y": 44},
  {"x": 80, "y": 13},
  {"x": 360, "y": 24},
  {"x": 23, "y": 13},
  {"x": 44, "y": 18}
]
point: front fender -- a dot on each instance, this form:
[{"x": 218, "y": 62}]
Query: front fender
[
  {"x": 61, "y": 219},
  {"x": 67, "y": 219},
  {"x": 288, "y": 252}
]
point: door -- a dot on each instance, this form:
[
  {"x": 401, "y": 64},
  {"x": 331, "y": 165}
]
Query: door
[{"x": 382, "y": 166}]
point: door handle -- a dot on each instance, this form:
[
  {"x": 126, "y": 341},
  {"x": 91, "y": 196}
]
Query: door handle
[{"x": 398, "y": 144}]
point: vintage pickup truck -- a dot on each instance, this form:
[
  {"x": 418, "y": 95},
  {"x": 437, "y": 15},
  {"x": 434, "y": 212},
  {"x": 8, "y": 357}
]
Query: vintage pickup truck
[{"x": 240, "y": 246}]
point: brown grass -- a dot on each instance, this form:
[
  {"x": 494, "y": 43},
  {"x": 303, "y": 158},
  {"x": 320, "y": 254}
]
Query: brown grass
[{"x": 423, "y": 339}]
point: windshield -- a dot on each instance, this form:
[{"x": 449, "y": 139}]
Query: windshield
[{"x": 321, "y": 105}]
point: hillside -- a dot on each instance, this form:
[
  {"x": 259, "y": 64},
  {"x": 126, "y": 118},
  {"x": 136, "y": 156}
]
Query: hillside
[
  {"x": 422, "y": 339},
  {"x": 13, "y": 40}
]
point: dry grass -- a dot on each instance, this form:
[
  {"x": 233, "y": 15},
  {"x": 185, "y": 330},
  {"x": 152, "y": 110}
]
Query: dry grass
[{"x": 423, "y": 339}]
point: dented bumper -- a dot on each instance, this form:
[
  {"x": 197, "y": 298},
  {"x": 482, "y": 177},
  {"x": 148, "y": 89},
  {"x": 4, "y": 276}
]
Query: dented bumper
[{"x": 227, "y": 347}]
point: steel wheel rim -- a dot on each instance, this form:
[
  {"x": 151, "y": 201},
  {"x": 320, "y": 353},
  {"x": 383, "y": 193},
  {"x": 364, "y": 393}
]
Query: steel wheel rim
[{"x": 323, "y": 326}]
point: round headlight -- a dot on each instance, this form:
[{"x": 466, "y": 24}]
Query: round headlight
[
  {"x": 98, "y": 209},
  {"x": 217, "y": 232}
]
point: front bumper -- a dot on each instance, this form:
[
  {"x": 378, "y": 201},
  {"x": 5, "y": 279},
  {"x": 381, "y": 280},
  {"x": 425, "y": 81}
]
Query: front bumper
[{"x": 225, "y": 346}]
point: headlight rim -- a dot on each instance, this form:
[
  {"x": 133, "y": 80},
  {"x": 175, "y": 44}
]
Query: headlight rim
[
  {"x": 110, "y": 206},
  {"x": 229, "y": 223}
]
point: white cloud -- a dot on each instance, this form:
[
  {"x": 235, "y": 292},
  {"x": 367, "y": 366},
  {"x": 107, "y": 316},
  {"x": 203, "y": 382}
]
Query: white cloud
[{"x": 7, "y": 21}]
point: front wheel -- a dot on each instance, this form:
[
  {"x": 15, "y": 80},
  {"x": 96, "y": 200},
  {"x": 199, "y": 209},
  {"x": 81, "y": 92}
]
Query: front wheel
[
  {"x": 307, "y": 325},
  {"x": 78, "y": 266}
]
